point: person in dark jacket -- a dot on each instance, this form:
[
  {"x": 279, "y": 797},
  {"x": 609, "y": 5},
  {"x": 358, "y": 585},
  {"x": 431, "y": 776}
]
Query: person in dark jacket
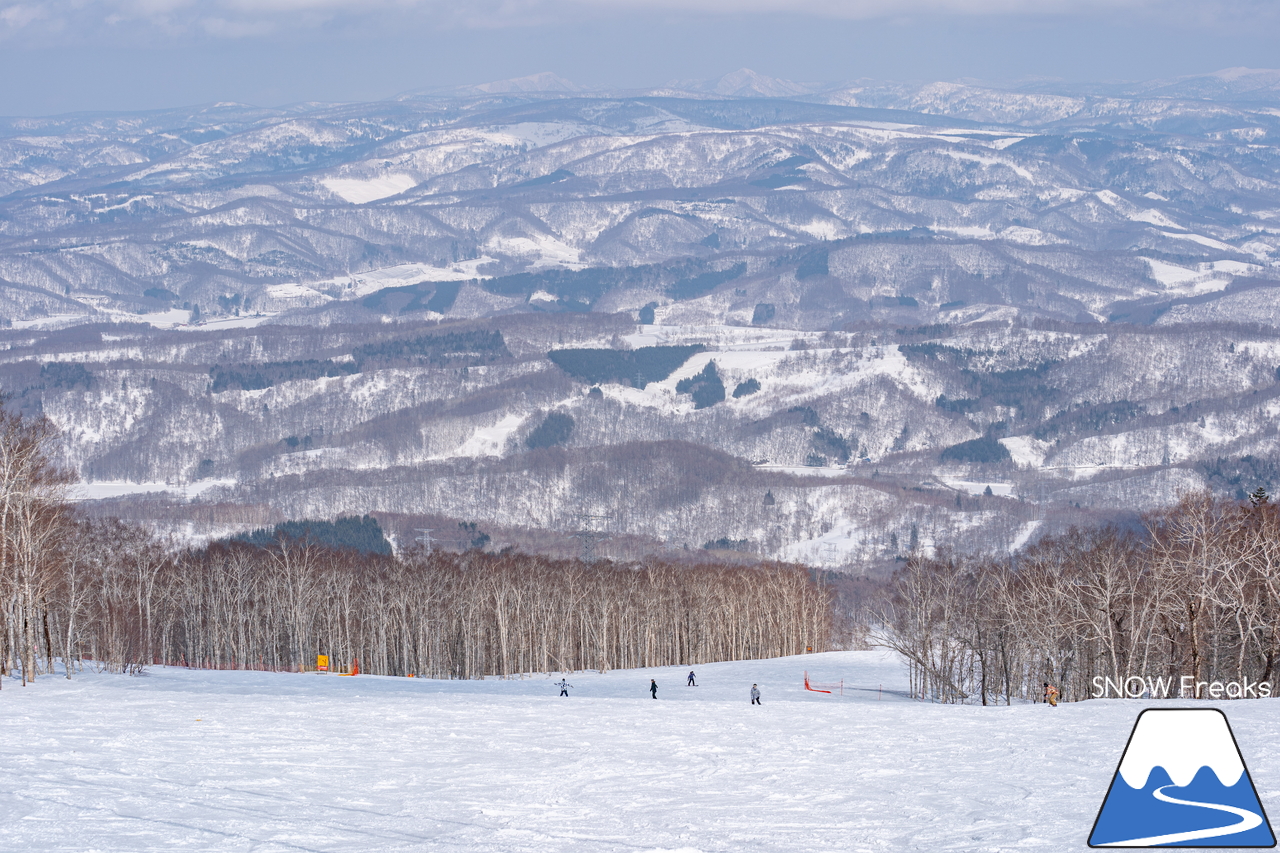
[
  {"x": 653, "y": 688},
  {"x": 691, "y": 683},
  {"x": 755, "y": 695}
]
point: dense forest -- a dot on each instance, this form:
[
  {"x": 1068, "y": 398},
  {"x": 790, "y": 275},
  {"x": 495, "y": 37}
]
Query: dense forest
[
  {"x": 636, "y": 367},
  {"x": 1194, "y": 593},
  {"x": 439, "y": 350}
]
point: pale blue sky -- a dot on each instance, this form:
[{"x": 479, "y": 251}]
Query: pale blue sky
[{"x": 65, "y": 55}]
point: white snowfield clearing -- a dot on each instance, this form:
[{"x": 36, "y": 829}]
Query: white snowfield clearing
[
  {"x": 973, "y": 487},
  {"x": 265, "y": 762},
  {"x": 360, "y": 284},
  {"x": 365, "y": 190},
  {"x": 807, "y": 470},
  {"x": 119, "y": 488}
]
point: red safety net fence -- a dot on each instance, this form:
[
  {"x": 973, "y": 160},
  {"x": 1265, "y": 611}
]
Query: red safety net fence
[{"x": 823, "y": 687}]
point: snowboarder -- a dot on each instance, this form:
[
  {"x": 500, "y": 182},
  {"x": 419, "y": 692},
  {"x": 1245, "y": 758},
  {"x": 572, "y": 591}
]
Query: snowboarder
[
  {"x": 564, "y": 687},
  {"x": 691, "y": 683},
  {"x": 1051, "y": 694},
  {"x": 653, "y": 688},
  {"x": 755, "y": 695}
]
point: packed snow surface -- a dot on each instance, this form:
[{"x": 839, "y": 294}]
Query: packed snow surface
[{"x": 245, "y": 761}]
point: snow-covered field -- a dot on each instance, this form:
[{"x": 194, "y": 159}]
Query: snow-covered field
[
  {"x": 99, "y": 490},
  {"x": 238, "y": 761}
]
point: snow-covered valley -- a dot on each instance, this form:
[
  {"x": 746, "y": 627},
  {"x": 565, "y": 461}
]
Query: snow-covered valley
[
  {"x": 943, "y": 315},
  {"x": 831, "y": 448}
]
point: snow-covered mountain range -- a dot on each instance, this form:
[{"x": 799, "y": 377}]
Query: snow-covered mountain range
[{"x": 1067, "y": 295}]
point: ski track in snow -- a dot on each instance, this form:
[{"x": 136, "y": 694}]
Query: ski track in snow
[{"x": 265, "y": 762}]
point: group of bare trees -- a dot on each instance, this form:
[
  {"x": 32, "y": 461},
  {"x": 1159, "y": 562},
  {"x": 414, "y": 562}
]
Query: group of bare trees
[
  {"x": 75, "y": 590},
  {"x": 32, "y": 514},
  {"x": 448, "y": 615},
  {"x": 119, "y": 599},
  {"x": 1193, "y": 595}
]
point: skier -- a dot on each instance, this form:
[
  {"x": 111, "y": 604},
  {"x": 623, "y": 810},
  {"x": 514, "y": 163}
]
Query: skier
[
  {"x": 564, "y": 687},
  {"x": 1051, "y": 694},
  {"x": 755, "y": 695},
  {"x": 691, "y": 683},
  {"x": 653, "y": 688}
]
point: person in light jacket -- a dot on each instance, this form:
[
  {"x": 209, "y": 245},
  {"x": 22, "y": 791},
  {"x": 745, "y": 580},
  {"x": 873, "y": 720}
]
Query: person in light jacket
[
  {"x": 564, "y": 687},
  {"x": 755, "y": 695}
]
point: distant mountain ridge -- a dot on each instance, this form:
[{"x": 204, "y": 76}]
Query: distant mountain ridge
[{"x": 1068, "y": 295}]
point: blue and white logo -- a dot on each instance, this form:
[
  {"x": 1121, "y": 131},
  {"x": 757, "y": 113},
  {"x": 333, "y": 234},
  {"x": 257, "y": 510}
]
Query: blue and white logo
[{"x": 1181, "y": 783}]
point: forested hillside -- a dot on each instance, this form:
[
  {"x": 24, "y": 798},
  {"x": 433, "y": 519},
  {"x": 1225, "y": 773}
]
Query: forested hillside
[{"x": 818, "y": 327}]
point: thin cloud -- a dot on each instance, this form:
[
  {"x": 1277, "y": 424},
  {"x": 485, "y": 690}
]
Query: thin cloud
[
  {"x": 862, "y": 9},
  {"x": 241, "y": 19},
  {"x": 224, "y": 28},
  {"x": 16, "y": 17}
]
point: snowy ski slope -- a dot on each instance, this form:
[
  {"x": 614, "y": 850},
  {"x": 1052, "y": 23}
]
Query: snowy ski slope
[{"x": 237, "y": 761}]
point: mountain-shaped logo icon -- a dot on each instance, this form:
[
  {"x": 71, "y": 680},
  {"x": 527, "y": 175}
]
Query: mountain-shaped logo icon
[{"x": 1181, "y": 783}]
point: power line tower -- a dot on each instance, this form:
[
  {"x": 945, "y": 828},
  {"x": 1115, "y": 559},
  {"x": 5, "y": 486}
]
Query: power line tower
[
  {"x": 589, "y": 533},
  {"x": 830, "y": 556},
  {"x": 425, "y": 537}
]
